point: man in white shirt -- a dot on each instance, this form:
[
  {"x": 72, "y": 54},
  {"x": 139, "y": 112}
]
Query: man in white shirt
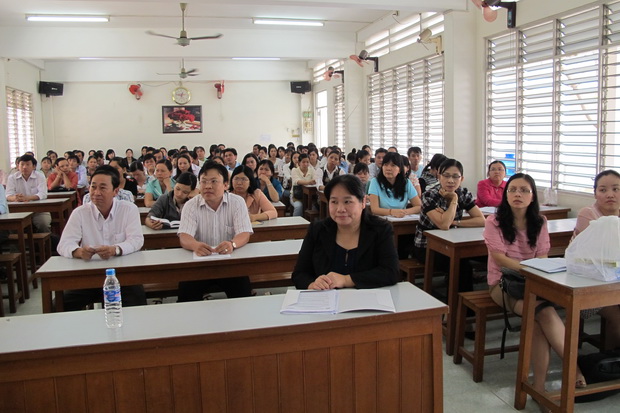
[
  {"x": 214, "y": 222},
  {"x": 27, "y": 185},
  {"x": 105, "y": 227},
  {"x": 200, "y": 155},
  {"x": 375, "y": 167},
  {"x": 74, "y": 164}
]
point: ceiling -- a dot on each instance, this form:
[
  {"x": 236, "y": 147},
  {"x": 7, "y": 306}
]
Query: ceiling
[{"x": 124, "y": 37}]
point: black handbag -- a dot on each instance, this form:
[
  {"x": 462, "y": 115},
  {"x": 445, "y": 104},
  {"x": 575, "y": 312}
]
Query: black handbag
[
  {"x": 597, "y": 368},
  {"x": 298, "y": 192},
  {"x": 512, "y": 283}
]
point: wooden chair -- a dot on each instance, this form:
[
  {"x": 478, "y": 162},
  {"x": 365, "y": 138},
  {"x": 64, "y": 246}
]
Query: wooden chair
[
  {"x": 43, "y": 248},
  {"x": 484, "y": 308},
  {"x": 409, "y": 268},
  {"x": 9, "y": 261}
]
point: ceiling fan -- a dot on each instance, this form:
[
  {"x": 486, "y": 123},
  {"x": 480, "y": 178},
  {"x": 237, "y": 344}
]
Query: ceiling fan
[
  {"x": 489, "y": 10},
  {"x": 184, "y": 73},
  {"x": 183, "y": 40}
]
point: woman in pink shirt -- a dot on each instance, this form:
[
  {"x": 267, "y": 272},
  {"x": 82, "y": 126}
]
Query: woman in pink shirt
[
  {"x": 244, "y": 184},
  {"x": 490, "y": 190},
  {"x": 607, "y": 195},
  {"x": 514, "y": 233}
]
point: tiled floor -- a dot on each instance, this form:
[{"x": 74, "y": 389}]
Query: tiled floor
[{"x": 461, "y": 395}]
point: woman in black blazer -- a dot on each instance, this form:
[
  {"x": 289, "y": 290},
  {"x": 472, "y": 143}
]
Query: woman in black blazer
[{"x": 351, "y": 248}]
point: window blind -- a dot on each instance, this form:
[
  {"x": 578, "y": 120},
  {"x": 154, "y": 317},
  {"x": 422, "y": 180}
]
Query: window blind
[
  {"x": 406, "y": 107},
  {"x": 339, "y": 117},
  {"x": 552, "y": 102},
  {"x": 20, "y": 122}
]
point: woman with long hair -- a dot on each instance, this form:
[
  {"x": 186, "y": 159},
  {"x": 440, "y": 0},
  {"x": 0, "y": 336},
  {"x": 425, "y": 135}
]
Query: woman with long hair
[
  {"x": 301, "y": 175},
  {"x": 429, "y": 177},
  {"x": 391, "y": 191},
  {"x": 136, "y": 171},
  {"x": 251, "y": 161},
  {"x": 243, "y": 184},
  {"x": 267, "y": 182},
  {"x": 517, "y": 231}
]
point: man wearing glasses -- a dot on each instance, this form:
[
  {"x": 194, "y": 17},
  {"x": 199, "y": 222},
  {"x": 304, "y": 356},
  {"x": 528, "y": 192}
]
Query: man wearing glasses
[{"x": 216, "y": 222}]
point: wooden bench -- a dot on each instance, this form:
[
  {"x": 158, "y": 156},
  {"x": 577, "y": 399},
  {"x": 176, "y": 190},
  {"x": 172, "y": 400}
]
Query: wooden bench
[
  {"x": 485, "y": 309},
  {"x": 43, "y": 246},
  {"x": 8, "y": 261},
  {"x": 410, "y": 267}
]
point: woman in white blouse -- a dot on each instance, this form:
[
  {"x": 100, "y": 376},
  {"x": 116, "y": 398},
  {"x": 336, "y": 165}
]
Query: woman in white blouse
[{"x": 302, "y": 175}]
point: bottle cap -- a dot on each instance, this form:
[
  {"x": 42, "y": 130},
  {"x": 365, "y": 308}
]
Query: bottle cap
[{"x": 110, "y": 271}]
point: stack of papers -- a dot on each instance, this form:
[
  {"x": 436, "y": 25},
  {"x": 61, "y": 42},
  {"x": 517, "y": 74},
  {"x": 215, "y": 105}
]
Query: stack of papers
[
  {"x": 549, "y": 265},
  {"x": 336, "y": 301}
]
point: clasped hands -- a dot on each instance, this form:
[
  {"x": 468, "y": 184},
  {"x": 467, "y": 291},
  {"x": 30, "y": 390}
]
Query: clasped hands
[
  {"x": 86, "y": 252},
  {"x": 330, "y": 281},
  {"x": 201, "y": 249}
]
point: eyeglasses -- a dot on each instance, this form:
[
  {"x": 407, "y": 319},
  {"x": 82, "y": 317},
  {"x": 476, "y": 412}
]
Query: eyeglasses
[
  {"x": 497, "y": 170},
  {"x": 212, "y": 182},
  {"x": 240, "y": 179},
  {"x": 524, "y": 191},
  {"x": 456, "y": 177}
]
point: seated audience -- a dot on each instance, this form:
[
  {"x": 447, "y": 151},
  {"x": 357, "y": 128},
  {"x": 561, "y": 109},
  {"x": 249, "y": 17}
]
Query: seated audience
[
  {"x": 46, "y": 166},
  {"x": 607, "y": 203},
  {"x": 136, "y": 171},
  {"x": 414, "y": 154},
  {"x": 91, "y": 166},
  {"x": 244, "y": 185},
  {"x": 490, "y": 190},
  {"x": 361, "y": 171},
  {"x": 159, "y": 186},
  {"x": 375, "y": 167},
  {"x": 27, "y": 185},
  {"x": 351, "y": 248},
  {"x": 516, "y": 232},
  {"x": 125, "y": 183},
  {"x": 301, "y": 175},
  {"x": 430, "y": 178},
  {"x": 390, "y": 191},
  {"x": 267, "y": 182},
  {"x": 214, "y": 222},
  {"x": 105, "y": 227},
  {"x": 62, "y": 179},
  {"x": 332, "y": 168},
  {"x": 170, "y": 205},
  {"x": 442, "y": 208},
  {"x": 251, "y": 161}
]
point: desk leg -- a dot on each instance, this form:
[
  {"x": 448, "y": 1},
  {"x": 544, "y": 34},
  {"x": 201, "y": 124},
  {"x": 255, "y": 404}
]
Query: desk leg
[
  {"x": 569, "y": 359},
  {"x": 46, "y": 297},
  {"x": 453, "y": 294},
  {"x": 525, "y": 349},
  {"x": 33, "y": 261},
  {"x": 429, "y": 268}
]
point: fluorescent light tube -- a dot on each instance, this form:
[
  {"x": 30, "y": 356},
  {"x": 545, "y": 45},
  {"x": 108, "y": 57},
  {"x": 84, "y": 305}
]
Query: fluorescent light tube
[
  {"x": 67, "y": 18},
  {"x": 289, "y": 22},
  {"x": 255, "y": 58}
]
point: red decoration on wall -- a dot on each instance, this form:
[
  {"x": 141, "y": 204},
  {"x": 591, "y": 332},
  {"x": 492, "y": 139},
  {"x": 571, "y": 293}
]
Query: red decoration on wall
[
  {"x": 220, "y": 89},
  {"x": 136, "y": 90}
]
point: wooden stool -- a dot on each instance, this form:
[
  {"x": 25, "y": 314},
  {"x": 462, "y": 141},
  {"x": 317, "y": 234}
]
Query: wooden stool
[
  {"x": 409, "y": 267},
  {"x": 8, "y": 261},
  {"x": 43, "y": 246},
  {"x": 484, "y": 307}
]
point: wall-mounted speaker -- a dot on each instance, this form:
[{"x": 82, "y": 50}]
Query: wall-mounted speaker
[
  {"x": 301, "y": 87},
  {"x": 50, "y": 89}
]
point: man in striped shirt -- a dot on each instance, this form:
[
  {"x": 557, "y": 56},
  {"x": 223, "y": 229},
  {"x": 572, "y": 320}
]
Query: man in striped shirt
[{"x": 214, "y": 222}]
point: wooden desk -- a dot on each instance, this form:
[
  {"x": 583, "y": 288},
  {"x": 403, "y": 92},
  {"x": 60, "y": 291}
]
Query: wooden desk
[
  {"x": 60, "y": 208},
  {"x": 65, "y": 194},
  {"x": 21, "y": 223},
  {"x": 280, "y": 208},
  {"x": 164, "y": 265},
  {"x": 574, "y": 294},
  {"x": 323, "y": 209},
  {"x": 234, "y": 355},
  {"x": 461, "y": 243},
  {"x": 310, "y": 192},
  {"x": 273, "y": 230},
  {"x": 403, "y": 226},
  {"x": 144, "y": 212},
  {"x": 139, "y": 202}
]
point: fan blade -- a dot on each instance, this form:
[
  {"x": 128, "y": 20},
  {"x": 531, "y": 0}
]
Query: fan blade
[
  {"x": 478, "y": 3},
  {"x": 216, "y": 36},
  {"x": 192, "y": 74},
  {"x": 356, "y": 59},
  {"x": 152, "y": 33},
  {"x": 489, "y": 14},
  {"x": 189, "y": 72}
]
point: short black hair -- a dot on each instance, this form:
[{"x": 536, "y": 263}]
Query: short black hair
[
  {"x": 73, "y": 156},
  {"x": 221, "y": 169},
  {"x": 360, "y": 167},
  {"x": 167, "y": 163},
  {"x": 109, "y": 171},
  {"x": 414, "y": 149},
  {"x": 29, "y": 158},
  {"x": 233, "y": 150},
  {"x": 148, "y": 157},
  {"x": 58, "y": 160},
  {"x": 187, "y": 178},
  {"x": 380, "y": 150}
]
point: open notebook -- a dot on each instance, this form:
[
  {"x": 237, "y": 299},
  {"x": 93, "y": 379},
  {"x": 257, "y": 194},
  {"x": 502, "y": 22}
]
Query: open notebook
[{"x": 336, "y": 301}]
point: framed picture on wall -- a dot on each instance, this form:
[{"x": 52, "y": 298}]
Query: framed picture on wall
[{"x": 182, "y": 119}]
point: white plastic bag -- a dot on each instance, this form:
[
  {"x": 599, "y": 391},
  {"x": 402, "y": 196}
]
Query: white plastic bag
[{"x": 595, "y": 252}]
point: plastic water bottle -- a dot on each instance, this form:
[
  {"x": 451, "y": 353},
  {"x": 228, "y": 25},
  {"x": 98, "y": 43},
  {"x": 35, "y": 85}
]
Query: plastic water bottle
[{"x": 112, "y": 300}]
